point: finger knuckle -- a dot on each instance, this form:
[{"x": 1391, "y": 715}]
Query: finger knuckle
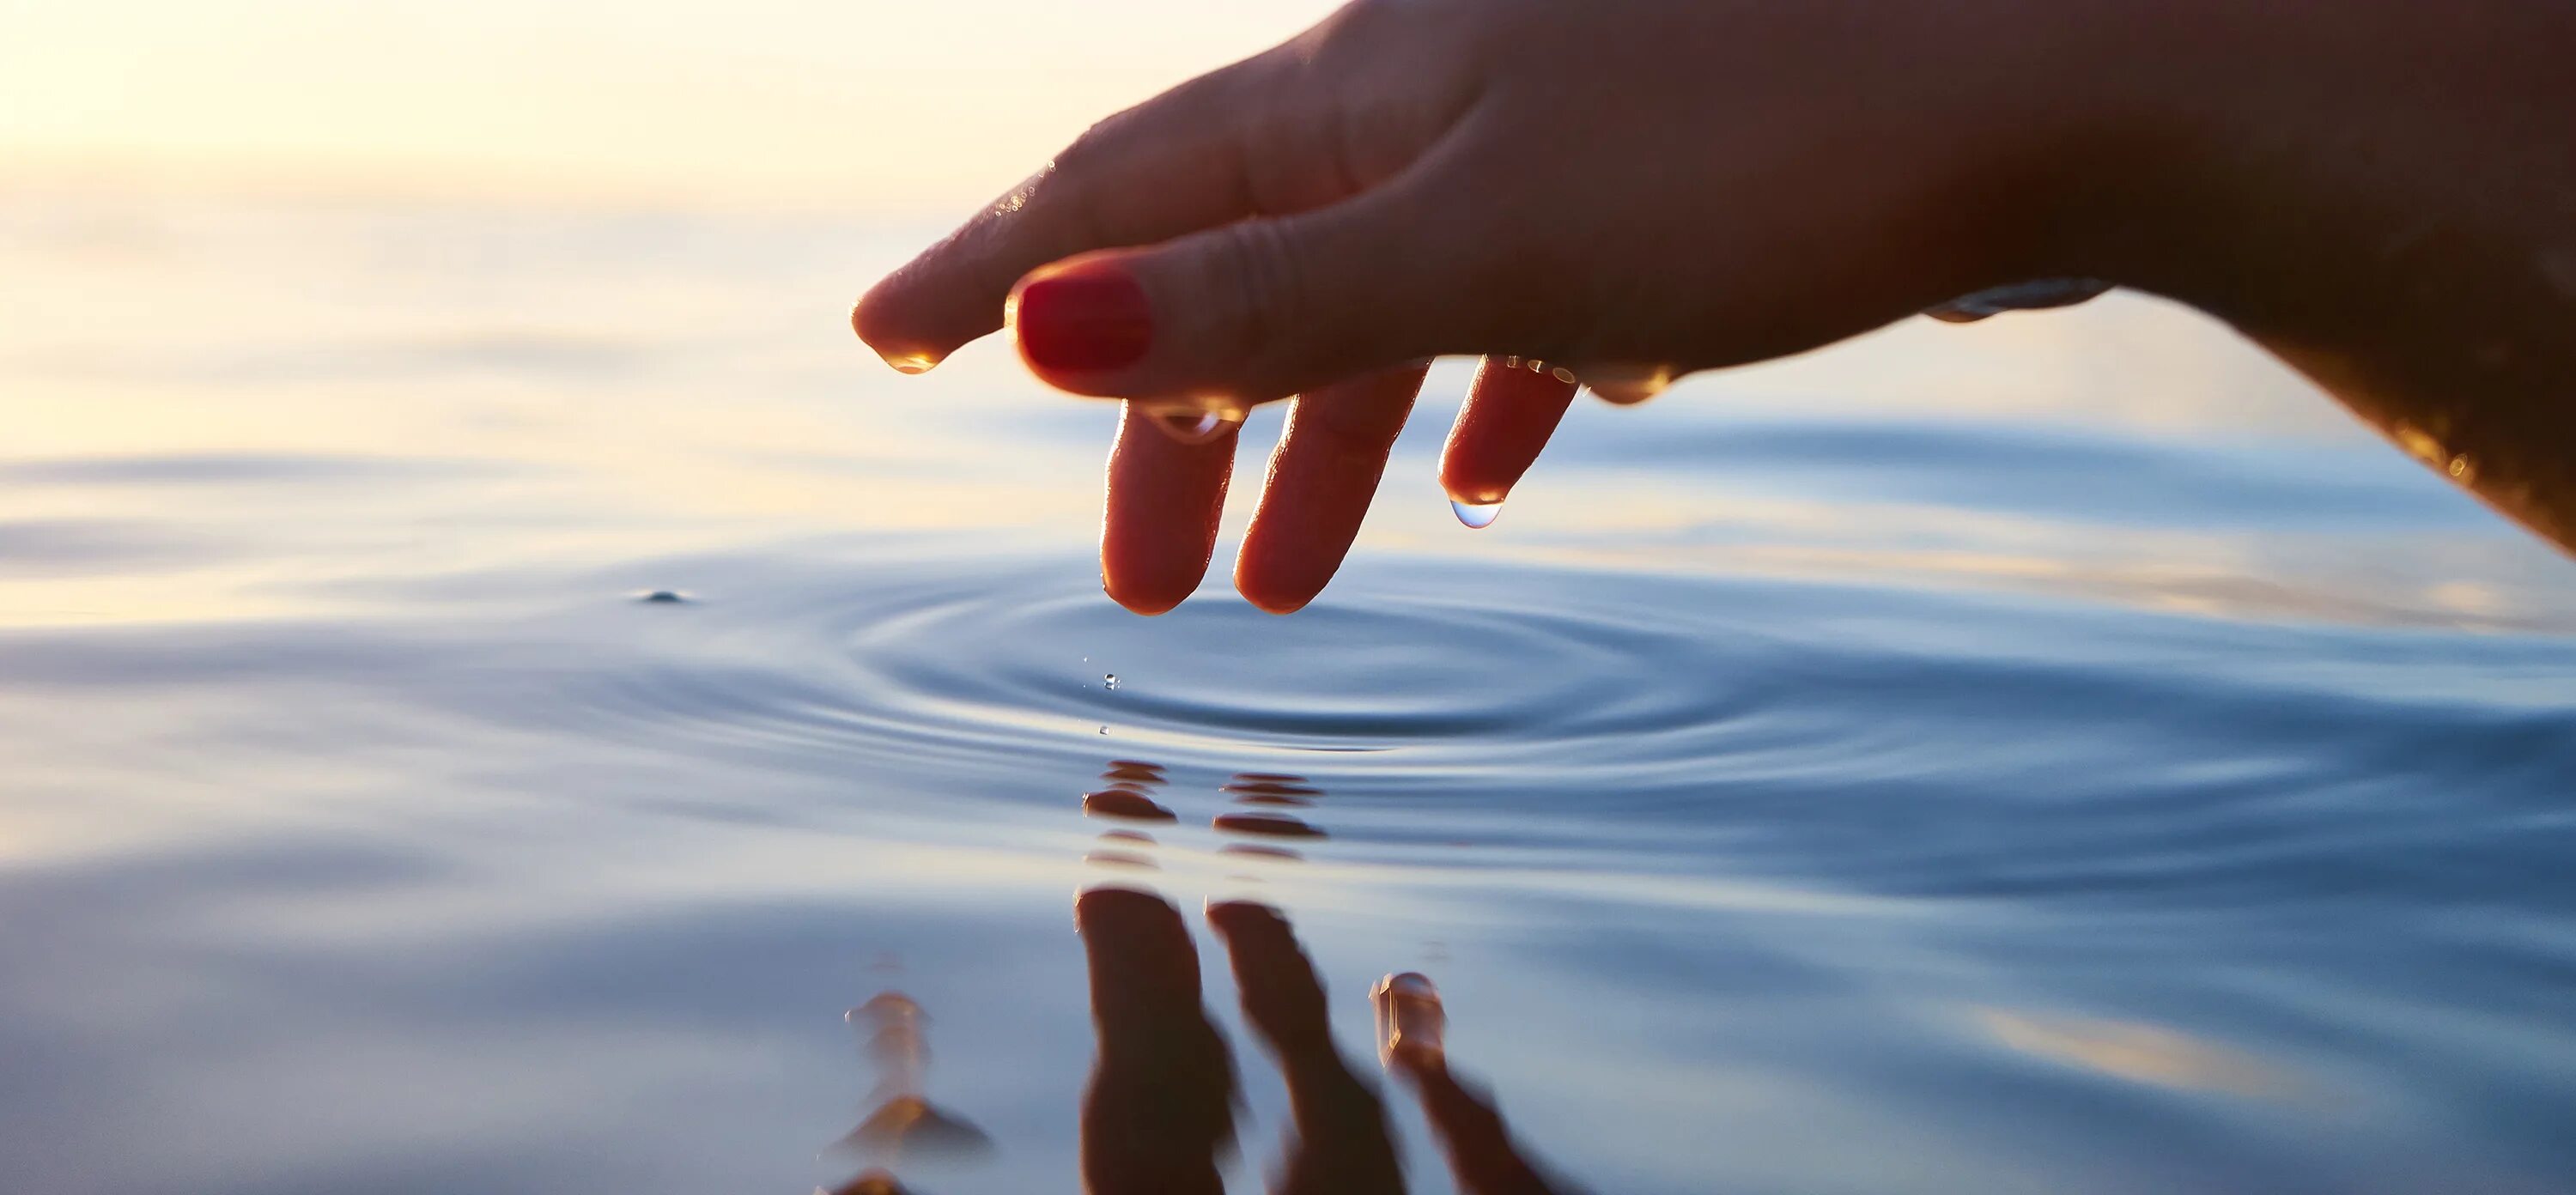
[{"x": 1258, "y": 264}]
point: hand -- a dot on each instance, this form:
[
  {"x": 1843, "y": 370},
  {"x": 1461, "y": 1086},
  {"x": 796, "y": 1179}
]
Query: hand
[
  {"x": 1158, "y": 1113},
  {"x": 1635, "y": 189},
  {"x": 1620, "y": 191}
]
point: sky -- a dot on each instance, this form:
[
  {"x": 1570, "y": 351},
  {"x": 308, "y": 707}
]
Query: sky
[{"x": 850, "y": 104}]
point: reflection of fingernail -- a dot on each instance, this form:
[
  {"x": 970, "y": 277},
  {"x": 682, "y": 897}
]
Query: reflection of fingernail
[
  {"x": 1410, "y": 1020},
  {"x": 1083, "y": 320}
]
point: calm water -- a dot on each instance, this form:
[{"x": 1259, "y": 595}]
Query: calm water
[{"x": 2056, "y": 754}]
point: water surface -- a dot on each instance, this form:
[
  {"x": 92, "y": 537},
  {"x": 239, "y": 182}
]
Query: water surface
[{"x": 2054, "y": 754}]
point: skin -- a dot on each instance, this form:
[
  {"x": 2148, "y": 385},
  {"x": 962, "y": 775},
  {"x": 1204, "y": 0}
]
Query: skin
[{"x": 2381, "y": 192}]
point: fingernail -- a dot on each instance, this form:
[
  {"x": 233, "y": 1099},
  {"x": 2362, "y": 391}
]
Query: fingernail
[{"x": 1083, "y": 320}]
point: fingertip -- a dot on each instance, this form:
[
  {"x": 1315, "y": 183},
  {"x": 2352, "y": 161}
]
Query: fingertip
[
  {"x": 877, "y": 321},
  {"x": 1140, "y": 597},
  {"x": 1473, "y": 481},
  {"x": 1149, "y": 576},
  {"x": 1268, "y": 593}
]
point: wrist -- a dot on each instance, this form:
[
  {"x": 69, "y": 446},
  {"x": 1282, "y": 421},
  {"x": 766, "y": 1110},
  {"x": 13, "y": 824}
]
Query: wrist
[{"x": 2307, "y": 165}]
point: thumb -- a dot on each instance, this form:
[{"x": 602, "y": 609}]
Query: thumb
[{"x": 1255, "y": 310}]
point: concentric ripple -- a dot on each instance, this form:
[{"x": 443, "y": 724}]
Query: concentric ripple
[
  {"x": 1442, "y": 675},
  {"x": 1793, "y": 727}
]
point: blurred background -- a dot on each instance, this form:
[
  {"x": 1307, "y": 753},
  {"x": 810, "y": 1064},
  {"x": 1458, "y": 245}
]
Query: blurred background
[
  {"x": 857, "y": 109},
  {"x": 490, "y": 669}
]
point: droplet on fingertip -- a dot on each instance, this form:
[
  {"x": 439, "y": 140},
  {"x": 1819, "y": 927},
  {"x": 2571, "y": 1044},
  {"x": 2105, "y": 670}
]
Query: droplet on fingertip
[
  {"x": 1189, "y": 428},
  {"x": 910, "y": 363},
  {"x": 1197, "y": 423},
  {"x": 1477, "y": 515},
  {"x": 1627, "y": 385}
]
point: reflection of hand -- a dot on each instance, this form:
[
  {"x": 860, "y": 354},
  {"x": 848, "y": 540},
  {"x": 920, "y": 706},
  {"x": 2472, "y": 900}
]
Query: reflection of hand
[
  {"x": 1637, "y": 188},
  {"x": 1158, "y": 1112}
]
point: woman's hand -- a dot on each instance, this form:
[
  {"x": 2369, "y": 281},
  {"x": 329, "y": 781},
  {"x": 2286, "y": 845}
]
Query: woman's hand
[
  {"x": 1627, "y": 190},
  {"x": 1618, "y": 190}
]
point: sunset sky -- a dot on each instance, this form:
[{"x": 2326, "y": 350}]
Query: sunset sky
[{"x": 867, "y": 105}]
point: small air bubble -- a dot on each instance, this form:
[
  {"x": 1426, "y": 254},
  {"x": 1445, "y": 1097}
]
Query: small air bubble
[
  {"x": 1477, "y": 515},
  {"x": 1110, "y": 681}
]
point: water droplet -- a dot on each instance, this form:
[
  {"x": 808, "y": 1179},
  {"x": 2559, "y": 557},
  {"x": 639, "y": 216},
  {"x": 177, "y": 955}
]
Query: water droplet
[
  {"x": 1562, "y": 374},
  {"x": 914, "y": 363},
  {"x": 664, "y": 597},
  {"x": 2020, "y": 296},
  {"x": 1627, "y": 385},
  {"x": 1476, "y": 514},
  {"x": 1197, "y": 427},
  {"x": 1110, "y": 681}
]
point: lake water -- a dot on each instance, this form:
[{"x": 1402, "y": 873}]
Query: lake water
[{"x": 2055, "y": 754}]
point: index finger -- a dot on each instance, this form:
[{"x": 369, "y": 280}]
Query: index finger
[{"x": 1167, "y": 167}]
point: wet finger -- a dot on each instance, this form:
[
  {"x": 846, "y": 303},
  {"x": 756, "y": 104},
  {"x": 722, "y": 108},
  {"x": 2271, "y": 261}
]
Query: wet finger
[
  {"x": 1171, "y": 165},
  {"x": 1324, "y": 117},
  {"x": 1322, "y": 478},
  {"x": 1512, "y": 409},
  {"x": 1165, "y": 498}
]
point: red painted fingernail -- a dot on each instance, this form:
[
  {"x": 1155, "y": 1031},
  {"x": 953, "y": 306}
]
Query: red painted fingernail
[{"x": 1083, "y": 321}]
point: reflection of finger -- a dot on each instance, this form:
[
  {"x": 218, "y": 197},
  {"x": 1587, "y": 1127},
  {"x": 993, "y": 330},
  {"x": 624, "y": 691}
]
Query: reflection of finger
[
  {"x": 1281, "y": 996},
  {"x": 1164, "y": 501},
  {"x": 1158, "y": 1109},
  {"x": 1341, "y": 1144},
  {"x": 1511, "y": 411},
  {"x": 1322, "y": 477},
  {"x": 1480, "y": 1149}
]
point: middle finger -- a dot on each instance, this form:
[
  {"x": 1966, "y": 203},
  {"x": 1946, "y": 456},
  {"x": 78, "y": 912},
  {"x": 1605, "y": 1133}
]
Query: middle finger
[{"x": 1322, "y": 478}]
